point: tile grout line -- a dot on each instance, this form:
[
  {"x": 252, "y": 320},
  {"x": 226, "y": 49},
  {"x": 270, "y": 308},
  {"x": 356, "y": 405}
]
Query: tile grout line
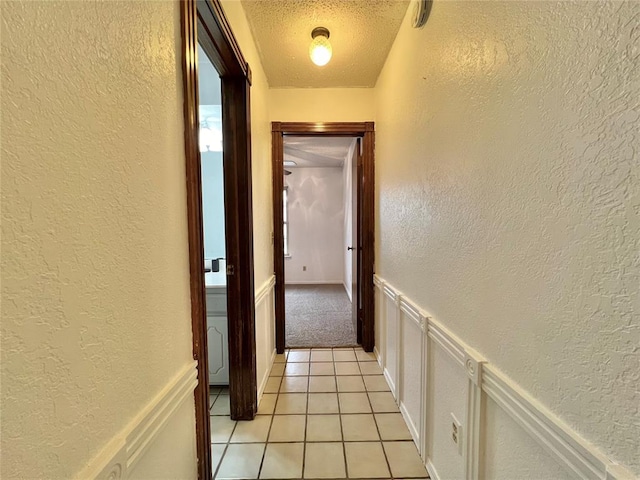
[
  {"x": 306, "y": 421},
  {"x": 273, "y": 416},
  {"x": 375, "y": 420},
  {"x": 226, "y": 446}
]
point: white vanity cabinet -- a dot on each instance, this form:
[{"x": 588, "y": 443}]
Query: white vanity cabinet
[{"x": 217, "y": 332}]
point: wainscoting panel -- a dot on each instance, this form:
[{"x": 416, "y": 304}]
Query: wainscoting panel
[
  {"x": 467, "y": 419},
  {"x": 411, "y": 364},
  {"x": 265, "y": 332},
  {"x": 391, "y": 347}
]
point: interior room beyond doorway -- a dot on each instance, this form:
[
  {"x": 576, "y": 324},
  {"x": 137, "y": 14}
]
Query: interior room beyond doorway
[{"x": 318, "y": 237}]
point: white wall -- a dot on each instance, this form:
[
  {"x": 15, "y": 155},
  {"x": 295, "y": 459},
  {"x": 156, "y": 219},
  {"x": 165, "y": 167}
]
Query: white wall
[
  {"x": 96, "y": 319},
  {"x": 321, "y": 104},
  {"x": 507, "y": 197},
  {"x": 316, "y": 224}
]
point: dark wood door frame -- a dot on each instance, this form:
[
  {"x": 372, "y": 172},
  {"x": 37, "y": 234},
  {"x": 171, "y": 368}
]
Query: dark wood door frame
[
  {"x": 367, "y": 132},
  {"x": 203, "y": 22}
]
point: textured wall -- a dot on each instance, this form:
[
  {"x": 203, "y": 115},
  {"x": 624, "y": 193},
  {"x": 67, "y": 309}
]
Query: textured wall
[
  {"x": 95, "y": 286},
  {"x": 321, "y": 104},
  {"x": 316, "y": 226},
  {"x": 508, "y": 196}
]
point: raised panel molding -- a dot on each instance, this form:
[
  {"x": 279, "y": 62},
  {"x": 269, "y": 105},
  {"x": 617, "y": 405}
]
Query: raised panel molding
[
  {"x": 473, "y": 363},
  {"x": 266, "y": 294},
  {"x": 121, "y": 454},
  {"x": 559, "y": 440}
]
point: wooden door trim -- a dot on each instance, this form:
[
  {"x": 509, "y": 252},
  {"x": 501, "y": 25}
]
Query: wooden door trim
[
  {"x": 207, "y": 19},
  {"x": 366, "y": 130}
]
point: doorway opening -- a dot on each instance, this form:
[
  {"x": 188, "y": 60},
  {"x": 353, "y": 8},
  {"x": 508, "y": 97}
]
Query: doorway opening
[
  {"x": 219, "y": 216},
  {"x": 318, "y": 205},
  {"x": 323, "y": 240}
]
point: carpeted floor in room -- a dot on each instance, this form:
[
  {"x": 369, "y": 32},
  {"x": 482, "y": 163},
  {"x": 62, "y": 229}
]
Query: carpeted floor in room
[{"x": 318, "y": 316}]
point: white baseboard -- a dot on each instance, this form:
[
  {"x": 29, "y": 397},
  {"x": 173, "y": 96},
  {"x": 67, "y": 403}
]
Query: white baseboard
[
  {"x": 433, "y": 474},
  {"x": 122, "y": 453},
  {"x": 413, "y": 429},
  {"x": 315, "y": 282},
  {"x": 265, "y": 378},
  {"x": 348, "y": 290}
]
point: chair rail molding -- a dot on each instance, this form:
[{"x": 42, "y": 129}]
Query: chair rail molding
[
  {"x": 118, "y": 458},
  {"x": 397, "y": 312}
]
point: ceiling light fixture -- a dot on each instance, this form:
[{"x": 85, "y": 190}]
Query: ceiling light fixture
[
  {"x": 289, "y": 163},
  {"x": 320, "y": 50}
]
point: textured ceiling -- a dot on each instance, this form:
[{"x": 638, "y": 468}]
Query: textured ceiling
[
  {"x": 362, "y": 32},
  {"x": 316, "y": 151}
]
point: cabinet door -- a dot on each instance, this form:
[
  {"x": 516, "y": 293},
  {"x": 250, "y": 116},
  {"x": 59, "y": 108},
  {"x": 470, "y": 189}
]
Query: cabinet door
[{"x": 218, "y": 346}]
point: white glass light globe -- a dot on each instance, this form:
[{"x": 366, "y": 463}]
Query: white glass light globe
[{"x": 320, "y": 50}]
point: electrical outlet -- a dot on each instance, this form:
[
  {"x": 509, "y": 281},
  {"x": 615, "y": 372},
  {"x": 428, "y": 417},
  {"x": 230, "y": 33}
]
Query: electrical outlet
[
  {"x": 456, "y": 433},
  {"x": 304, "y": 268}
]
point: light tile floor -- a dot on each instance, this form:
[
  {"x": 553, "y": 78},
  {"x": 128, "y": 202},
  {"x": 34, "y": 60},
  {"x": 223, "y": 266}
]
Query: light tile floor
[{"x": 326, "y": 413}]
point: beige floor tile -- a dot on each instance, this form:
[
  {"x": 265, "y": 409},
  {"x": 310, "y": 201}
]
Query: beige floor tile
[
  {"x": 283, "y": 460},
  {"x": 354, "y": 403},
  {"x": 297, "y": 369},
  {"x": 298, "y": 356},
  {"x": 273, "y": 384},
  {"x": 287, "y": 428},
  {"x": 214, "y": 390},
  {"x": 322, "y": 384},
  {"x": 350, "y": 384},
  {"x": 321, "y": 356},
  {"x": 267, "y": 404},
  {"x": 347, "y": 368},
  {"x": 392, "y": 426},
  {"x": 344, "y": 349},
  {"x": 324, "y": 368},
  {"x": 324, "y": 460},
  {"x": 323, "y": 403},
  {"x": 252, "y": 431},
  {"x": 404, "y": 459},
  {"x": 241, "y": 461},
  {"x": 221, "y": 406},
  {"x": 212, "y": 398},
  {"x": 363, "y": 356},
  {"x": 383, "y": 402},
  {"x": 281, "y": 357},
  {"x": 291, "y": 403},
  {"x": 221, "y": 429},
  {"x": 294, "y": 384},
  {"x": 366, "y": 460},
  {"x": 323, "y": 428},
  {"x": 359, "y": 428},
  {"x": 277, "y": 370},
  {"x": 376, "y": 383},
  {"x": 344, "y": 356},
  {"x": 217, "y": 449},
  {"x": 370, "y": 368}
]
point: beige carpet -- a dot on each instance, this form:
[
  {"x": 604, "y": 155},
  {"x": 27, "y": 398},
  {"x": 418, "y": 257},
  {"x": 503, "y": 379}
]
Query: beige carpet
[{"x": 318, "y": 316}]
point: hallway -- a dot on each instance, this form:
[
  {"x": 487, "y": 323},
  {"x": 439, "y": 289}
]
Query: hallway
[{"x": 325, "y": 413}]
